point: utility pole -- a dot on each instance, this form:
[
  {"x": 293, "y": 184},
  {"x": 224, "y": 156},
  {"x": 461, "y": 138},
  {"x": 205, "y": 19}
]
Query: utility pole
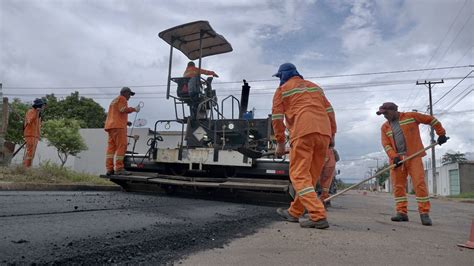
[{"x": 433, "y": 155}]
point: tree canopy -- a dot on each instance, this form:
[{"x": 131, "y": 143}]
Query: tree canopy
[
  {"x": 85, "y": 110},
  {"x": 64, "y": 135},
  {"x": 453, "y": 158},
  {"x": 383, "y": 176},
  {"x": 16, "y": 117}
]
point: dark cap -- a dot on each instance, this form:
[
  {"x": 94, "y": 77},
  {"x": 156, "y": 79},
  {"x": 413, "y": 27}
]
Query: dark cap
[
  {"x": 127, "y": 89},
  {"x": 38, "y": 102},
  {"x": 284, "y": 67},
  {"x": 387, "y": 106}
]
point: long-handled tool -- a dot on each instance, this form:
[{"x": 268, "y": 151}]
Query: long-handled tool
[
  {"x": 256, "y": 154},
  {"x": 22, "y": 145},
  {"x": 382, "y": 171}
]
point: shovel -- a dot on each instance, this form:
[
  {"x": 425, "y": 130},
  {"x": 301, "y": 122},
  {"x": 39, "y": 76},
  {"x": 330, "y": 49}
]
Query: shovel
[
  {"x": 256, "y": 154},
  {"x": 382, "y": 171}
]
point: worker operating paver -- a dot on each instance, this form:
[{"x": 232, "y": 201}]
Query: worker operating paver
[
  {"x": 116, "y": 127},
  {"x": 401, "y": 138},
  {"x": 302, "y": 107}
]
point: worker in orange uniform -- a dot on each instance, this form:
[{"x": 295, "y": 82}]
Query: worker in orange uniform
[
  {"x": 193, "y": 71},
  {"x": 194, "y": 85},
  {"x": 116, "y": 127},
  {"x": 401, "y": 138},
  {"x": 302, "y": 107},
  {"x": 32, "y": 130},
  {"x": 327, "y": 174}
]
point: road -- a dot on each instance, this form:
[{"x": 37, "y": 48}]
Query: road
[
  {"x": 117, "y": 227},
  {"x": 131, "y": 228}
]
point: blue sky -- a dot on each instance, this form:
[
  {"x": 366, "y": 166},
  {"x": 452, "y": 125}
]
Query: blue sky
[{"x": 62, "y": 46}]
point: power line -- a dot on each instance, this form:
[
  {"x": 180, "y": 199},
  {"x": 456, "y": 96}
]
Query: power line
[
  {"x": 435, "y": 52},
  {"x": 453, "y": 87},
  {"x": 237, "y": 82},
  {"x": 260, "y": 91}
]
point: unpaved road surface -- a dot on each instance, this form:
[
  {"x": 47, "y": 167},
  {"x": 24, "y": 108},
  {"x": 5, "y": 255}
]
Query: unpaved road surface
[{"x": 117, "y": 227}]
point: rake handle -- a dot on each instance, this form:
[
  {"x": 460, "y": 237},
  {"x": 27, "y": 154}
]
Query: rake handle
[{"x": 382, "y": 171}]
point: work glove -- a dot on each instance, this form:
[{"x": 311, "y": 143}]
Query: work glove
[
  {"x": 397, "y": 162},
  {"x": 129, "y": 123},
  {"x": 442, "y": 139},
  {"x": 137, "y": 109}
]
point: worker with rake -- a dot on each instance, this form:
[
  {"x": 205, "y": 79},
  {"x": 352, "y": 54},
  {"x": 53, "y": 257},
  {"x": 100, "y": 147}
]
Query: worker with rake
[{"x": 401, "y": 138}]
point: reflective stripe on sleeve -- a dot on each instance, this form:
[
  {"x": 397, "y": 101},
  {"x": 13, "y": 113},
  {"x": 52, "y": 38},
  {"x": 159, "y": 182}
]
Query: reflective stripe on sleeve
[
  {"x": 277, "y": 116},
  {"x": 387, "y": 148},
  {"x": 434, "y": 122}
]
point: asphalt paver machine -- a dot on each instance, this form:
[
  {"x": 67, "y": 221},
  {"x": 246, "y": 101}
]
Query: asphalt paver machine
[{"x": 216, "y": 152}]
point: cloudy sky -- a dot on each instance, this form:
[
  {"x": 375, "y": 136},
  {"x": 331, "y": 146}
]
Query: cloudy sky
[{"x": 361, "y": 52}]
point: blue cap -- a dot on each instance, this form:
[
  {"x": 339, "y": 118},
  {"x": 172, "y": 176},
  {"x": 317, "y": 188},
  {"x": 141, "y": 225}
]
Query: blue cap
[{"x": 284, "y": 67}]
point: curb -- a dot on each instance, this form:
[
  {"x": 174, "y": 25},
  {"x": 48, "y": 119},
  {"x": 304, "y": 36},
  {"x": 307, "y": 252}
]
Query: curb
[{"x": 12, "y": 186}]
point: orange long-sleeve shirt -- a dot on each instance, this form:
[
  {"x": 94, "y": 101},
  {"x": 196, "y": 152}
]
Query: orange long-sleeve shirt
[
  {"x": 32, "y": 124},
  {"x": 409, "y": 124},
  {"x": 192, "y": 71},
  {"x": 117, "y": 117},
  {"x": 305, "y": 109}
]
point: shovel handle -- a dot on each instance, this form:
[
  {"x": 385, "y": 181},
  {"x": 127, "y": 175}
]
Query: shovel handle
[{"x": 382, "y": 171}]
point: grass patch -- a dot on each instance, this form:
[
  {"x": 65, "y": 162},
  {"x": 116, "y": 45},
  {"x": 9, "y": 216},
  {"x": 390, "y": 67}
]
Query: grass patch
[
  {"x": 48, "y": 173},
  {"x": 466, "y": 195}
]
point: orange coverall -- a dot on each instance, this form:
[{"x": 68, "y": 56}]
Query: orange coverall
[
  {"x": 116, "y": 127},
  {"x": 31, "y": 133},
  {"x": 192, "y": 71},
  {"x": 409, "y": 125},
  {"x": 327, "y": 174},
  {"x": 311, "y": 122}
]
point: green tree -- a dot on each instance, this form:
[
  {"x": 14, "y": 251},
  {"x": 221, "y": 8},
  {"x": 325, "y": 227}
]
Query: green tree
[
  {"x": 383, "y": 176},
  {"x": 64, "y": 135},
  {"x": 453, "y": 158},
  {"x": 85, "y": 110},
  {"x": 16, "y": 117}
]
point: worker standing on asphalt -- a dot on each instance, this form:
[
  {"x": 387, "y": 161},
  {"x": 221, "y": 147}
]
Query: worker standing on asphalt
[
  {"x": 327, "y": 174},
  {"x": 116, "y": 127},
  {"x": 302, "y": 107},
  {"x": 400, "y": 139},
  {"x": 32, "y": 131}
]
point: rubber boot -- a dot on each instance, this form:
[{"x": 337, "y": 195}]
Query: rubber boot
[
  {"x": 286, "y": 215},
  {"x": 425, "y": 219},
  {"x": 319, "y": 224},
  {"x": 400, "y": 217}
]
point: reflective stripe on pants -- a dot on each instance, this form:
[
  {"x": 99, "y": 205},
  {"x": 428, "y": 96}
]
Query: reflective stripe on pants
[
  {"x": 117, "y": 145},
  {"x": 307, "y": 158},
  {"x": 414, "y": 168}
]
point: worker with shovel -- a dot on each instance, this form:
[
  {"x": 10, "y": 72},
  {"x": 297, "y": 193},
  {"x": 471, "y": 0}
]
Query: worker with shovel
[
  {"x": 31, "y": 131},
  {"x": 401, "y": 138},
  {"x": 116, "y": 127},
  {"x": 302, "y": 107}
]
